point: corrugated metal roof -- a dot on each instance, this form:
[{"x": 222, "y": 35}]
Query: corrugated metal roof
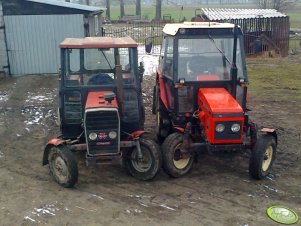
[
  {"x": 227, "y": 14},
  {"x": 69, "y": 5}
]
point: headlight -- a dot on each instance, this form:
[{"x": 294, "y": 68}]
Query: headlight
[
  {"x": 220, "y": 128},
  {"x": 235, "y": 128},
  {"x": 112, "y": 135},
  {"x": 92, "y": 136}
]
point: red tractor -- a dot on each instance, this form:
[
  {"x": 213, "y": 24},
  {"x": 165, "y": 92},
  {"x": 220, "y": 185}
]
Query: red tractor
[
  {"x": 200, "y": 98},
  {"x": 100, "y": 109}
]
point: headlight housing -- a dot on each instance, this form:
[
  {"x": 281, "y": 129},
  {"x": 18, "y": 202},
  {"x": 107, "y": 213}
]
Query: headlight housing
[
  {"x": 220, "y": 128},
  {"x": 112, "y": 135},
  {"x": 92, "y": 136},
  {"x": 235, "y": 128}
]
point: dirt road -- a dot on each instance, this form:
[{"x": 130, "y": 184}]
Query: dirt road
[{"x": 218, "y": 191}]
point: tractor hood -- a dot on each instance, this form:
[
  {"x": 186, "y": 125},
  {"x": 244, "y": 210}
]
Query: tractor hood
[
  {"x": 219, "y": 103},
  {"x": 97, "y": 100}
]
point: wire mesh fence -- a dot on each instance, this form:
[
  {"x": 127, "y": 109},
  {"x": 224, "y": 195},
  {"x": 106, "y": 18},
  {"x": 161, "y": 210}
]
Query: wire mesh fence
[{"x": 142, "y": 33}]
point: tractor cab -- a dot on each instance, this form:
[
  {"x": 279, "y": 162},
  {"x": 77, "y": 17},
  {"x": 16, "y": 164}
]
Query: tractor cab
[
  {"x": 200, "y": 98},
  {"x": 196, "y": 55},
  {"x": 101, "y": 110},
  {"x": 99, "y": 64}
]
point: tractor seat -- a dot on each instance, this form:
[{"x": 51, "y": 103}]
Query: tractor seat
[{"x": 101, "y": 79}]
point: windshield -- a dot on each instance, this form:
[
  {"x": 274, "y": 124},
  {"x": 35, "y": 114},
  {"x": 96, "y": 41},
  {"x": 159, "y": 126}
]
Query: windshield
[
  {"x": 208, "y": 58},
  {"x": 86, "y": 67}
]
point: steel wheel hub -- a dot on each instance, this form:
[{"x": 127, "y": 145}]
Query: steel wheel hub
[
  {"x": 60, "y": 168},
  {"x": 144, "y": 164},
  {"x": 178, "y": 160},
  {"x": 267, "y": 158}
]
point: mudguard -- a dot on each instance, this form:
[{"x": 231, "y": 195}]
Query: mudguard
[
  {"x": 51, "y": 143},
  {"x": 271, "y": 132},
  {"x": 135, "y": 134}
]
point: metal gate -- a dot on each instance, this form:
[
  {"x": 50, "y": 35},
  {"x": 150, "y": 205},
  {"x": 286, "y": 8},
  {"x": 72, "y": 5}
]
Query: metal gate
[
  {"x": 32, "y": 41},
  {"x": 142, "y": 33}
]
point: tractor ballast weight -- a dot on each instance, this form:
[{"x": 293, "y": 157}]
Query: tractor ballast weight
[
  {"x": 200, "y": 98},
  {"x": 100, "y": 109}
]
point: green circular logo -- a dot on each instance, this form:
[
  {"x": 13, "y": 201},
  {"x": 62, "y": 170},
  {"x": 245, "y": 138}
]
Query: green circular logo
[{"x": 282, "y": 214}]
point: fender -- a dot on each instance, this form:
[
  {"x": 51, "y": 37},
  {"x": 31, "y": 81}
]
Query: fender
[
  {"x": 179, "y": 129},
  {"x": 51, "y": 143},
  {"x": 271, "y": 132},
  {"x": 135, "y": 134}
]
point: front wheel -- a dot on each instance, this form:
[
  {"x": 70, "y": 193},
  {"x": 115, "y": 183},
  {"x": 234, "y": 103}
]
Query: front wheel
[
  {"x": 63, "y": 166},
  {"x": 262, "y": 157},
  {"x": 175, "y": 162},
  {"x": 147, "y": 167}
]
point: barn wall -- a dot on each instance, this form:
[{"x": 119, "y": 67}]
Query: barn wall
[
  {"x": 36, "y": 51},
  {"x": 3, "y": 52}
]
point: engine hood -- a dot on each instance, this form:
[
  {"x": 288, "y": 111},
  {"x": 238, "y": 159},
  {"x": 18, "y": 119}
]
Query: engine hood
[
  {"x": 97, "y": 100},
  {"x": 219, "y": 102}
]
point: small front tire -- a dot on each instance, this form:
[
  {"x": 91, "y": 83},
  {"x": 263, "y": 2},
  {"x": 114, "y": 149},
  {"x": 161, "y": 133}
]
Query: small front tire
[
  {"x": 262, "y": 157},
  {"x": 63, "y": 166},
  {"x": 174, "y": 164},
  {"x": 147, "y": 167}
]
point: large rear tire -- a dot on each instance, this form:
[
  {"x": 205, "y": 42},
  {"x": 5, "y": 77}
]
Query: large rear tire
[
  {"x": 262, "y": 157},
  {"x": 174, "y": 163},
  {"x": 63, "y": 166},
  {"x": 147, "y": 167}
]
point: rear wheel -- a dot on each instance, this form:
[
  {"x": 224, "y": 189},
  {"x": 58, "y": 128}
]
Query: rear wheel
[
  {"x": 175, "y": 163},
  {"x": 262, "y": 157},
  {"x": 147, "y": 167},
  {"x": 63, "y": 166}
]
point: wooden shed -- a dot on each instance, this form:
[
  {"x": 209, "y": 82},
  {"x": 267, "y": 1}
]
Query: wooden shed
[{"x": 266, "y": 31}]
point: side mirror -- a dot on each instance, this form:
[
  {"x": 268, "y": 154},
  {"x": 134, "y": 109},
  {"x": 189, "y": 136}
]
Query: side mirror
[{"x": 141, "y": 71}]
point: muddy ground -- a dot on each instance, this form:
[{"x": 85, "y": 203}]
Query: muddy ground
[{"x": 218, "y": 191}]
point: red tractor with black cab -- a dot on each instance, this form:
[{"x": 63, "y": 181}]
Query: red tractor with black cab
[
  {"x": 100, "y": 109},
  {"x": 200, "y": 98}
]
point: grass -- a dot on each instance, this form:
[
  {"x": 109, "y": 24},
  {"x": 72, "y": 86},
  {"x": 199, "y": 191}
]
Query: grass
[
  {"x": 174, "y": 11},
  {"x": 295, "y": 19},
  {"x": 275, "y": 78}
]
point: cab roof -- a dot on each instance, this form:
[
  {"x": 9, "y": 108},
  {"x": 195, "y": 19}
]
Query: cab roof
[
  {"x": 98, "y": 42},
  {"x": 172, "y": 29}
]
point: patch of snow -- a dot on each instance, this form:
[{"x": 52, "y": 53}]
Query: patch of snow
[
  {"x": 3, "y": 96},
  {"x": 29, "y": 218},
  {"x": 97, "y": 196},
  {"x": 1, "y": 155},
  {"x": 167, "y": 207}
]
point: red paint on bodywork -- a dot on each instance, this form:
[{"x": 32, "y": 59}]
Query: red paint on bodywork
[
  {"x": 218, "y": 105},
  {"x": 165, "y": 92},
  {"x": 207, "y": 78},
  {"x": 134, "y": 134},
  {"x": 97, "y": 100}
]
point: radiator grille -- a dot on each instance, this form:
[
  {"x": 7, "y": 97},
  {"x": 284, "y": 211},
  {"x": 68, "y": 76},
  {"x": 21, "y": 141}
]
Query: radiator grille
[{"x": 102, "y": 122}]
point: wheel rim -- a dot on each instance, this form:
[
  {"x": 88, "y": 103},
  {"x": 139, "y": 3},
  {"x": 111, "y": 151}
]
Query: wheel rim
[
  {"x": 60, "y": 168},
  {"x": 267, "y": 158},
  {"x": 178, "y": 161},
  {"x": 144, "y": 164}
]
